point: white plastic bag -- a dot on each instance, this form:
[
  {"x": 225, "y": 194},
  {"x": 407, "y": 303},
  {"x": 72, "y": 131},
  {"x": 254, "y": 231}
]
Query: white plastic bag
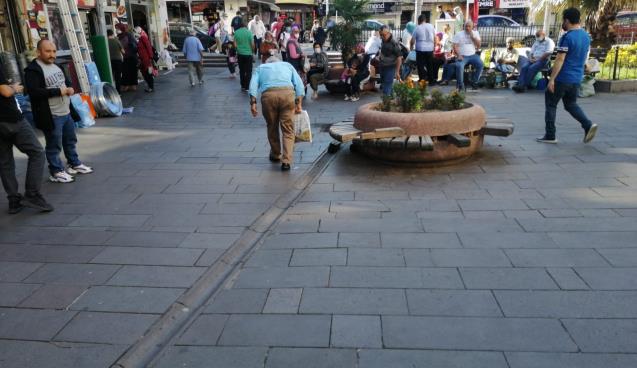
[
  {"x": 587, "y": 88},
  {"x": 302, "y": 129}
]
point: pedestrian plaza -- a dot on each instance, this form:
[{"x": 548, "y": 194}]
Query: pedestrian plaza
[{"x": 187, "y": 247}]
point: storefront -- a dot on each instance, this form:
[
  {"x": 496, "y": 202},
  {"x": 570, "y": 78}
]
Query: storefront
[
  {"x": 300, "y": 11},
  {"x": 514, "y": 9}
]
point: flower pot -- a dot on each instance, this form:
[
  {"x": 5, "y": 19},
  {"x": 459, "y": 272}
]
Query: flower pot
[{"x": 435, "y": 124}]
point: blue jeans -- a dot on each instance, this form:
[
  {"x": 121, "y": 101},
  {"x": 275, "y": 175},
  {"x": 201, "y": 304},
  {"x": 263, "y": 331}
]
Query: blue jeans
[
  {"x": 528, "y": 70},
  {"x": 448, "y": 71},
  {"x": 61, "y": 137},
  {"x": 505, "y": 68},
  {"x": 387, "y": 74},
  {"x": 568, "y": 93},
  {"x": 471, "y": 60}
]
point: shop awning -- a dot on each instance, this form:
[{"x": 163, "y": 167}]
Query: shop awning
[
  {"x": 268, "y": 3},
  {"x": 300, "y": 2}
]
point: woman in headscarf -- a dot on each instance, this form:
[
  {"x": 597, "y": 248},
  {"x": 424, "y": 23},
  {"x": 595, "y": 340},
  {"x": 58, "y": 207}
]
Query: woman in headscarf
[
  {"x": 129, "y": 65},
  {"x": 268, "y": 47},
  {"x": 146, "y": 62},
  {"x": 294, "y": 51},
  {"x": 319, "y": 68}
]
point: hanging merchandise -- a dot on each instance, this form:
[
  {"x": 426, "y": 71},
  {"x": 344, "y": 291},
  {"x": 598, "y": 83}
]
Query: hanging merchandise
[{"x": 84, "y": 111}]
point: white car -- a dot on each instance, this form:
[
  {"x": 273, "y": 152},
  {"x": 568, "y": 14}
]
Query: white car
[
  {"x": 495, "y": 29},
  {"x": 374, "y": 25}
]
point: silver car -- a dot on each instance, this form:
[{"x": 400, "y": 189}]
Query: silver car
[{"x": 495, "y": 29}]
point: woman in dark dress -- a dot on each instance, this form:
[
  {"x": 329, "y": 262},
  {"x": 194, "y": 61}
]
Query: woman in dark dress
[{"x": 129, "y": 67}]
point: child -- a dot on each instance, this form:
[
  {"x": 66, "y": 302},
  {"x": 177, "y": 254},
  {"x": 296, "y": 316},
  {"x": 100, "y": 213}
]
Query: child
[
  {"x": 347, "y": 76},
  {"x": 231, "y": 56}
]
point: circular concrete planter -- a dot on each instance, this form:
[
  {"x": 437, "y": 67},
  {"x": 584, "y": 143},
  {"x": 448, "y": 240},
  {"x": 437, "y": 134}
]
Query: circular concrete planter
[{"x": 435, "y": 124}]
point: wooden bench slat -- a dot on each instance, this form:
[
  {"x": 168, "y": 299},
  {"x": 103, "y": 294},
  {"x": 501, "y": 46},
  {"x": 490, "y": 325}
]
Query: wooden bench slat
[
  {"x": 498, "y": 129},
  {"x": 383, "y": 142},
  {"x": 383, "y": 133},
  {"x": 413, "y": 142},
  {"x": 398, "y": 142},
  {"x": 459, "y": 140},
  {"x": 426, "y": 143}
]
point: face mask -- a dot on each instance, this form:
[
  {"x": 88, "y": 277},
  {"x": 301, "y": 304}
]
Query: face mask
[
  {"x": 317, "y": 50},
  {"x": 288, "y": 29},
  {"x": 540, "y": 39}
]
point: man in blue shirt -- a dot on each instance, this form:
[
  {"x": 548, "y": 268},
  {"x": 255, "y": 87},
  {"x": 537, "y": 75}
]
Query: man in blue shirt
[
  {"x": 193, "y": 51},
  {"x": 566, "y": 77},
  {"x": 279, "y": 86}
]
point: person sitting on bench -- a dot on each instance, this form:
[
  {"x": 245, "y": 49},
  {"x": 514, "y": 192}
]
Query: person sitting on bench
[
  {"x": 507, "y": 60},
  {"x": 538, "y": 59}
]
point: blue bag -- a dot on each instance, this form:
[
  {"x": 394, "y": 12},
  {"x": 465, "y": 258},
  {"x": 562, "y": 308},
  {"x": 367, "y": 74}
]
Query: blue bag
[{"x": 82, "y": 109}]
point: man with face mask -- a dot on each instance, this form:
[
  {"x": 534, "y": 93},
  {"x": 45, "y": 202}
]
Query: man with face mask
[
  {"x": 566, "y": 76},
  {"x": 538, "y": 58}
]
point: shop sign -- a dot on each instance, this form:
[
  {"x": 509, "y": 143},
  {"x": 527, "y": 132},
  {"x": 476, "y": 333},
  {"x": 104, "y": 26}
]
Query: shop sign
[
  {"x": 485, "y": 4},
  {"x": 508, "y": 4},
  {"x": 384, "y": 7},
  {"x": 85, "y": 3}
]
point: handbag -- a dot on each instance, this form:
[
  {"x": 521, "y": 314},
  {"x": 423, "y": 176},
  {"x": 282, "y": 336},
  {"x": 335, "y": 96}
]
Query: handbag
[{"x": 306, "y": 65}]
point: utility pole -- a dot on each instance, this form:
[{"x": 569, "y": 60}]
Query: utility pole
[{"x": 327, "y": 9}]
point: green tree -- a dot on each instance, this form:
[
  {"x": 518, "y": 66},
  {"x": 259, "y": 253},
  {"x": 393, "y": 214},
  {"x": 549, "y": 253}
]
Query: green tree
[
  {"x": 598, "y": 16},
  {"x": 346, "y": 34}
]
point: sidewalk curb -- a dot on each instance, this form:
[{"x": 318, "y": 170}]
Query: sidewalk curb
[{"x": 159, "y": 335}]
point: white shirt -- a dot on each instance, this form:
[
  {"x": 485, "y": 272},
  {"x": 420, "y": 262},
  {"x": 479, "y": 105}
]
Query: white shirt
[
  {"x": 540, "y": 48},
  {"x": 257, "y": 28},
  {"x": 424, "y": 36},
  {"x": 465, "y": 43},
  {"x": 373, "y": 45}
]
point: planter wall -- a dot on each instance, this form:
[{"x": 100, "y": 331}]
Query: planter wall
[{"x": 614, "y": 86}]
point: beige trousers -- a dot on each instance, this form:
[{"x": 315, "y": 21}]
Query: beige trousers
[{"x": 278, "y": 110}]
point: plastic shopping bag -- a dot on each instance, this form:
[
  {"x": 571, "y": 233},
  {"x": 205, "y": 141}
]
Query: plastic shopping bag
[
  {"x": 82, "y": 109},
  {"x": 302, "y": 129},
  {"x": 587, "y": 88}
]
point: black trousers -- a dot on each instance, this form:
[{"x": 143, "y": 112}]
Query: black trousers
[
  {"x": 22, "y": 136},
  {"x": 116, "y": 67},
  {"x": 149, "y": 78},
  {"x": 245, "y": 70},
  {"x": 355, "y": 83},
  {"x": 425, "y": 62}
]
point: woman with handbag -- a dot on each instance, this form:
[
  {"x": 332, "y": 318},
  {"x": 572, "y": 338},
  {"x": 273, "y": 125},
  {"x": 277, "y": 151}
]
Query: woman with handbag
[{"x": 146, "y": 62}]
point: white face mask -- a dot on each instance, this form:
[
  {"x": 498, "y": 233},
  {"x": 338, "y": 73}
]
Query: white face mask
[
  {"x": 540, "y": 39},
  {"x": 317, "y": 50}
]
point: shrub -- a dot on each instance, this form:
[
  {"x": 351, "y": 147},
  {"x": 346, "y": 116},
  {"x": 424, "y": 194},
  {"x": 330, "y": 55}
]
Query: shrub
[{"x": 408, "y": 96}]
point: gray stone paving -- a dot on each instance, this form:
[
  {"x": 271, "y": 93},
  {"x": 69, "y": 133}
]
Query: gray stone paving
[{"x": 524, "y": 256}]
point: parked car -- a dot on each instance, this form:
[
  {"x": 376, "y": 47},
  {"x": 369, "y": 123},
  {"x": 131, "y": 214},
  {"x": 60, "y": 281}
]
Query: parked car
[
  {"x": 495, "y": 29},
  {"x": 179, "y": 32},
  {"x": 370, "y": 25},
  {"x": 626, "y": 27}
]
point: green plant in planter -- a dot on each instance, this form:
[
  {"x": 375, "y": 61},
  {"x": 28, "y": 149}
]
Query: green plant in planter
[{"x": 411, "y": 97}]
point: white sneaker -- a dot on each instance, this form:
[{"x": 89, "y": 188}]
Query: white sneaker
[
  {"x": 347, "y": 98},
  {"x": 61, "y": 177},
  {"x": 314, "y": 95},
  {"x": 192, "y": 84},
  {"x": 355, "y": 98},
  {"x": 80, "y": 169}
]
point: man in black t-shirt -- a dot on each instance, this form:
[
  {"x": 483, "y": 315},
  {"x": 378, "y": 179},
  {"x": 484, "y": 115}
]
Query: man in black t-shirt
[{"x": 16, "y": 131}]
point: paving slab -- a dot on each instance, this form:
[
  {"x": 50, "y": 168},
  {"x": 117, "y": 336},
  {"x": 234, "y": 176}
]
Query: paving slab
[
  {"x": 603, "y": 335},
  {"x": 148, "y": 256},
  {"x": 106, "y": 328},
  {"x": 156, "y": 276},
  {"x": 353, "y": 301},
  {"x": 283, "y": 277},
  {"x": 54, "y": 296},
  {"x": 458, "y": 303},
  {"x": 311, "y": 358},
  {"x": 238, "y": 301},
  {"x": 201, "y": 356},
  {"x": 205, "y": 330},
  {"x": 11, "y": 294},
  {"x": 380, "y": 358},
  {"x": 23, "y": 354},
  {"x": 32, "y": 324},
  {"x": 83, "y": 274},
  {"x": 356, "y": 332},
  {"x": 500, "y": 334},
  {"x": 276, "y": 330},
  {"x": 570, "y": 360},
  {"x": 126, "y": 299},
  {"x": 283, "y": 301}
]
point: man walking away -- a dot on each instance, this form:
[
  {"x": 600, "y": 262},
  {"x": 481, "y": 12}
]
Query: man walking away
[
  {"x": 116, "y": 52},
  {"x": 279, "y": 85},
  {"x": 257, "y": 28},
  {"x": 566, "y": 77},
  {"x": 16, "y": 131},
  {"x": 193, "y": 51},
  {"x": 465, "y": 44},
  {"x": 53, "y": 114},
  {"x": 390, "y": 60},
  {"x": 244, "y": 43},
  {"x": 424, "y": 38},
  {"x": 538, "y": 59}
]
